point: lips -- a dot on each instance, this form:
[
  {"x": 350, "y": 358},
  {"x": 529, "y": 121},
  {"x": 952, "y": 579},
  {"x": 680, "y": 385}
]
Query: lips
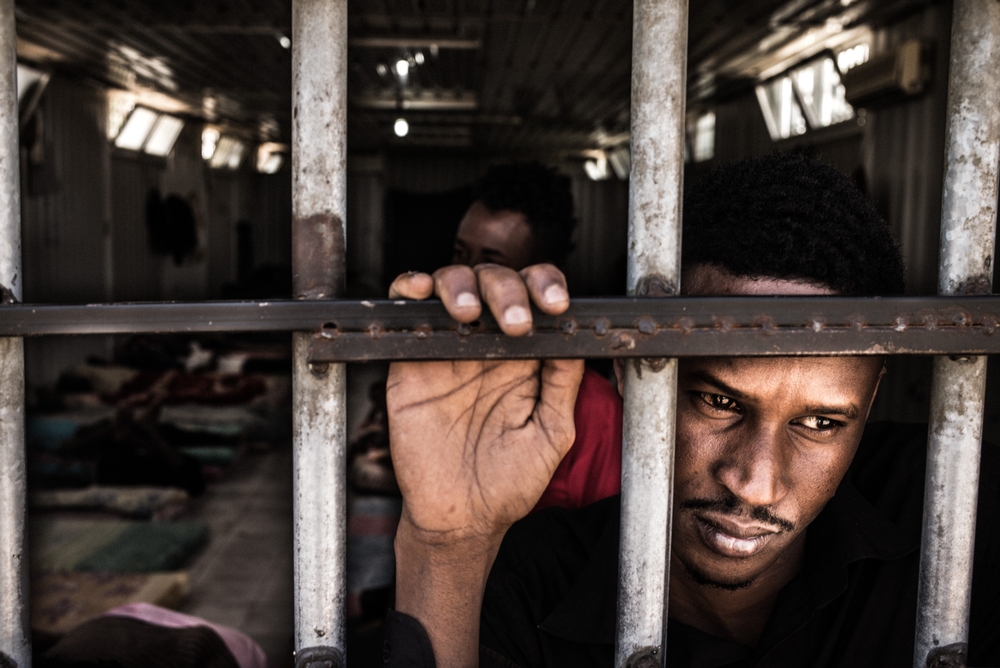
[{"x": 731, "y": 538}]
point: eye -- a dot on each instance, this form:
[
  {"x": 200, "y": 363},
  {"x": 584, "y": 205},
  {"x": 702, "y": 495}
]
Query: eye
[
  {"x": 818, "y": 423},
  {"x": 720, "y": 402}
]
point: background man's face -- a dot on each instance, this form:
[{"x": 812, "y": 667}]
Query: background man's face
[
  {"x": 500, "y": 237},
  {"x": 762, "y": 444}
]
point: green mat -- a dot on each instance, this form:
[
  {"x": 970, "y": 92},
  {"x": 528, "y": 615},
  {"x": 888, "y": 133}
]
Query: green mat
[{"x": 113, "y": 545}]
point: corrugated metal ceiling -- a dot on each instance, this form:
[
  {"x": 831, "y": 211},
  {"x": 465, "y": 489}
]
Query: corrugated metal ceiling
[{"x": 497, "y": 75}]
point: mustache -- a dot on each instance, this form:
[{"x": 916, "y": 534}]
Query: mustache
[{"x": 730, "y": 505}]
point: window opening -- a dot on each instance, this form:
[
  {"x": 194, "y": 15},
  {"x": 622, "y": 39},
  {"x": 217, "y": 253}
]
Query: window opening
[
  {"x": 209, "y": 142},
  {"x": 270, "y": 157},
  {"x": 136, "y": 129},
  {"x": 703, "y": 137},
  {"x": 782, "y": 112},
  {"x": 822, "y": 93},
  {"x": 163, "y": 135},
  {"x": 26, "y": 78},
  {"x": 851, "y": 57},
  {"x": 229, "y": 153},
  {"x": 120, "y": 105}
]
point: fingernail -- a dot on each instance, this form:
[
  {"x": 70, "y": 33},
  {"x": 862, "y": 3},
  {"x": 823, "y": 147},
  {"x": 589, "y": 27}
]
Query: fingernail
[
  {"x": 555, "y": 294},
  {"x": 466, "y": 300},
  {"x": 516, "y": 315}
]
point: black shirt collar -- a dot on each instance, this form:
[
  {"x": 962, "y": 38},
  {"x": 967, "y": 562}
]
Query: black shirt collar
[{"x": 849, "y": 529}]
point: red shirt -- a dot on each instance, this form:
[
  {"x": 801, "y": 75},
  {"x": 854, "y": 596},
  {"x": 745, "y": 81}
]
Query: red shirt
[{"x": 592, "y": 469}]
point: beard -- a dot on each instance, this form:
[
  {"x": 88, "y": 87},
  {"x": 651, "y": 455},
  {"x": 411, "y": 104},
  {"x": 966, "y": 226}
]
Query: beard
[{"x": 703, "y": 579}]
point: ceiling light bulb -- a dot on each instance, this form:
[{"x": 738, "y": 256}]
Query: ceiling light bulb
[
  {"x": 419, "y": 57},
  {"x": 402, "y": 67},
  {"x": 284, "y": 42},
  {"x": 401, "y": 127}
]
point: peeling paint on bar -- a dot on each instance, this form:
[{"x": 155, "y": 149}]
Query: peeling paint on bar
[
  {"x": 319, "y": 186},
  {"x": 968, "y": 230},
  {"x": 659, "y": 63},
  {"x": 15, "y": 646}
]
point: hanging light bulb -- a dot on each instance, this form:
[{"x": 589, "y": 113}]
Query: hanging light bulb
[
  {"x": 402, "y": 67},
  {"x": 401, "y": 127}
]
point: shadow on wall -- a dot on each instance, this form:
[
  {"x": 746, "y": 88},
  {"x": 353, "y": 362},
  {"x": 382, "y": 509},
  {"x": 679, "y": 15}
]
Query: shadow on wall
[{"x": 420, "y": 229}]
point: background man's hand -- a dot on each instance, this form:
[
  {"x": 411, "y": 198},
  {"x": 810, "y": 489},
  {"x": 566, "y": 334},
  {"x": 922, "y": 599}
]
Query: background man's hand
[{"x": 475, "y": 443}]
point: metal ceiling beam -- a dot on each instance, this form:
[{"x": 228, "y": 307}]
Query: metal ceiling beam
[{"x": 414, "y": 42}]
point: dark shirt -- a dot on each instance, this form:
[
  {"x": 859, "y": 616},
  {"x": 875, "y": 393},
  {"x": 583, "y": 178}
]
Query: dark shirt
[{"x": 551, "y": 596}]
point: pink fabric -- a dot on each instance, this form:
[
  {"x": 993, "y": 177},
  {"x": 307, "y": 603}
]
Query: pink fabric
[
  {"x": 247, "y": 653},
  {"x": 592, "y": 469}
]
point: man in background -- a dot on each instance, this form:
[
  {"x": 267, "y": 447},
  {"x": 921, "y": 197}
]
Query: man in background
[{"x": 521, "y": 215}]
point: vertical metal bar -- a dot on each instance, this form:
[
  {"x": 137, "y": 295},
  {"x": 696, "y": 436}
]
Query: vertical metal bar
[
  {"x": 968, "y": 229},
  {"x": 659, "y": 62},
  {"x": 15, "y": 646},
  {"x": 319, "y": 186}
]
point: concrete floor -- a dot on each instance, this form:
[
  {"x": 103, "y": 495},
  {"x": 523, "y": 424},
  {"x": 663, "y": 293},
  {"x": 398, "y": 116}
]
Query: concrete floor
[{"x": 243, "y": 578}]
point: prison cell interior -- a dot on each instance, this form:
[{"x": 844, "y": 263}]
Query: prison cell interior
[{"x": 319, "y": 210}]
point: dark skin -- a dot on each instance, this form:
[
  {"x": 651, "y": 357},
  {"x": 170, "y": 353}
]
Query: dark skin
[
  {"x": 499, "y": 237},
  {"x": 761, "y": 446}
]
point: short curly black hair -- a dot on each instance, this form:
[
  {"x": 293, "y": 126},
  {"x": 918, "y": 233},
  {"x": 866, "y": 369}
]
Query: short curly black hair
[
  {"x": 788, "y": 216},
  {"x": 540, "y": 193}
]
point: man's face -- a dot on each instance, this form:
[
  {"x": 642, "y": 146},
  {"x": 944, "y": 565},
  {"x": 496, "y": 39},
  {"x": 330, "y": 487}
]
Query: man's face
[
  {"x": 501, "y": 237},
  {"x": 762, "y": 444}
]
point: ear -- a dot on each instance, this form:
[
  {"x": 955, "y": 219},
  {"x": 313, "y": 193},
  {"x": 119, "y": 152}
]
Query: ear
[{"x": 620, "y": 374}]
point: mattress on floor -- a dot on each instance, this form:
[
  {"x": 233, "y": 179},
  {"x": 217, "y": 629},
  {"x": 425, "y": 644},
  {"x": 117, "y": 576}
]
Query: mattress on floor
[
  {"x": 114, "y": 546},
  {"x": 62, "y": 601},
  {"x": 129, "y": 501}
]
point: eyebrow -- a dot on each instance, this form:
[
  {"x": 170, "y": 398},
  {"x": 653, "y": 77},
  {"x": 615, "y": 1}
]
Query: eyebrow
[{"x": 849, "y": 412}]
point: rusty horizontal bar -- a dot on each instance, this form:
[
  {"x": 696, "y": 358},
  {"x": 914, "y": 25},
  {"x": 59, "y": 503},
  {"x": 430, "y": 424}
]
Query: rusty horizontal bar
[{"x": 606, "y": 327}]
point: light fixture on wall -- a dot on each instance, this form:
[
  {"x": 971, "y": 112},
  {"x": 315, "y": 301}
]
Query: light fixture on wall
[{"x": 401, "y": 127}]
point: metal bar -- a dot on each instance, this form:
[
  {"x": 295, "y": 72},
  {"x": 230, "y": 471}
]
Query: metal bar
[
  {"x": 15, "y": 645},
  {"x": 597, "y": 315},
  {"x": 659, "y": 63},
  {"x": 968, "y": 230},
  {"x": 319, "y": 186}
]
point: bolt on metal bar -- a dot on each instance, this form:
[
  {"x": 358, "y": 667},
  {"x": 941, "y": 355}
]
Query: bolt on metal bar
[
  {"x": 15, "y": 646},
  {"x": 319, "y": 186},
  {"x": 659, "y": 63},
  {"x": 968, "y": 230}
]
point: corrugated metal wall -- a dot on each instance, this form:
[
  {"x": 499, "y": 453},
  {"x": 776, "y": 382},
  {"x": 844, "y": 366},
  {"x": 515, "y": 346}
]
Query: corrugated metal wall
[{"x": 65, "y": 216}]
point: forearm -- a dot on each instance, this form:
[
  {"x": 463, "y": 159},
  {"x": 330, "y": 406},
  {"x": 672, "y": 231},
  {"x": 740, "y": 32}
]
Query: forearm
[{"x": 441, "y": 583}]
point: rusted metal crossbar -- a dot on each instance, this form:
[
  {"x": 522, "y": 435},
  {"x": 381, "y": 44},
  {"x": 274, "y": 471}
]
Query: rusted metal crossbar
[{"x": 350, "y": 331}]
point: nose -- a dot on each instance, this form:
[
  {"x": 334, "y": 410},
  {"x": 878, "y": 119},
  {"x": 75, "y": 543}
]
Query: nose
[{"x": 754, "y": 467}]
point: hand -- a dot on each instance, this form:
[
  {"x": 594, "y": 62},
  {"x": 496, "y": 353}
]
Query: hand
[{"x": 475, "y": 443}]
